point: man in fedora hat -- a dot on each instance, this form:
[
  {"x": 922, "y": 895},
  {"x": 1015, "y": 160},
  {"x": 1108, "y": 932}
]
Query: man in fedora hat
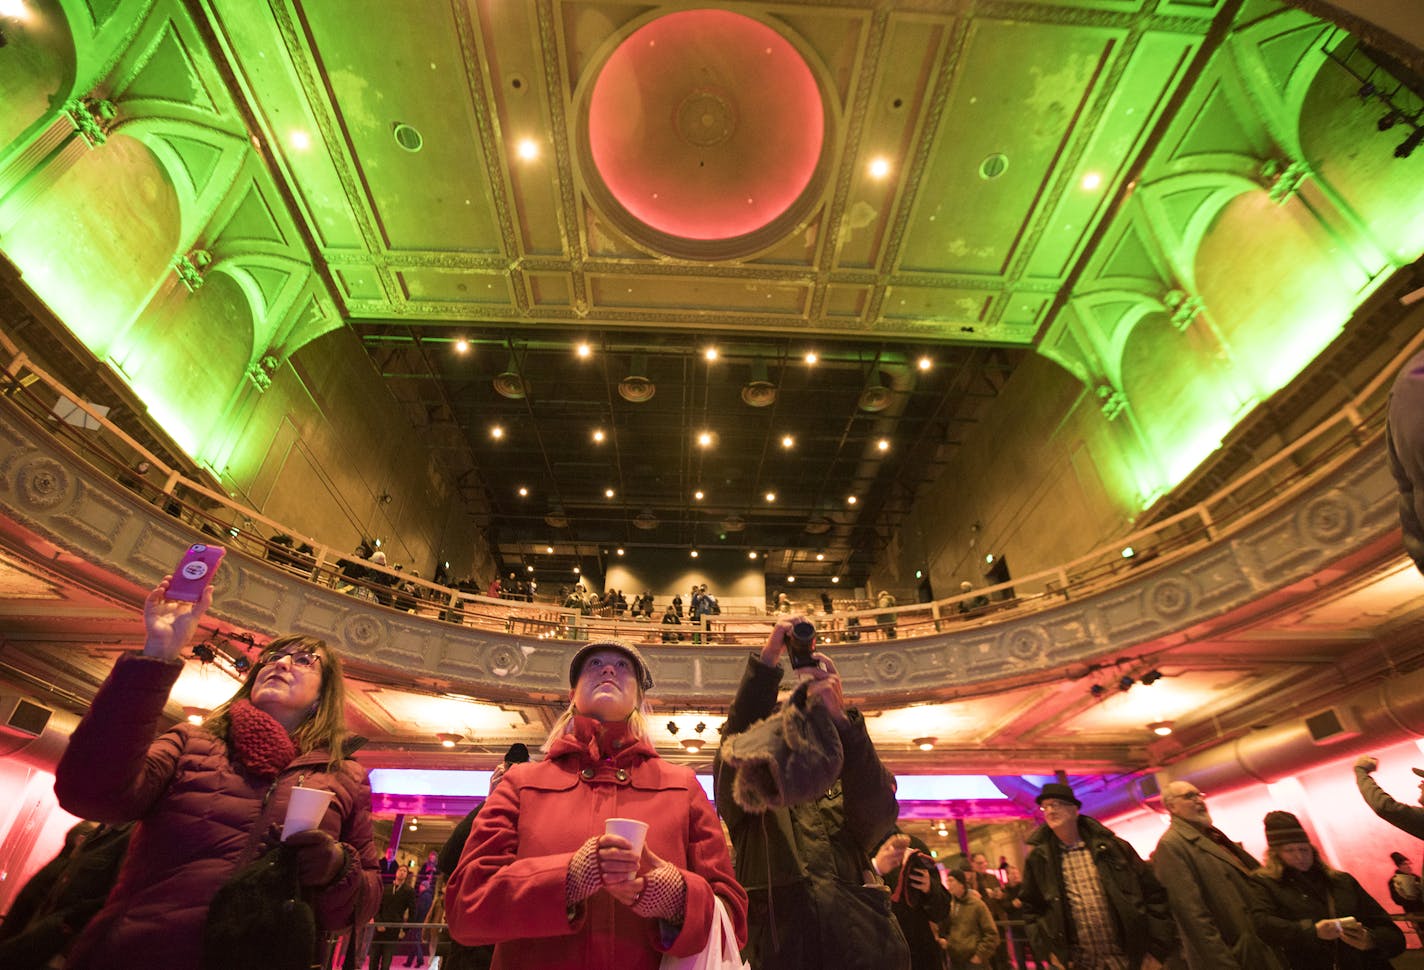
[
  {"x": 1407, "y": 818},
  {"x": 1089, "y": 901}
]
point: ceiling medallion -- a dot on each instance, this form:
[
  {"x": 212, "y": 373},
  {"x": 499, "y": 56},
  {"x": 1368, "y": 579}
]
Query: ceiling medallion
[{"x": 704, "y": 134}]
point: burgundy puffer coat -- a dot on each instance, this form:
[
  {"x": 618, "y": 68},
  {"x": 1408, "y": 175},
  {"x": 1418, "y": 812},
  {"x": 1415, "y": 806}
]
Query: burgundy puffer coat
[
  {"x": 200, "y": 819},
  {"x": 508, "y": 888}
]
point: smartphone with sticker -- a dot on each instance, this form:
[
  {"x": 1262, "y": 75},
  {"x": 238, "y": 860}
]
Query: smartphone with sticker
[{"x": 195, "y": 571}]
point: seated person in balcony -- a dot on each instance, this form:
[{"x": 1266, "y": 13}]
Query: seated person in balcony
[
  {"x": 206, "y": 797},
  {"x": 974, "y": 602},
  {"x": 670, "y": 618},
  {"x": 353, "y": 571}
]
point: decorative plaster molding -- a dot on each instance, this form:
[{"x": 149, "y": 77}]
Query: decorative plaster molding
[{"x": 1351, "y": 505}]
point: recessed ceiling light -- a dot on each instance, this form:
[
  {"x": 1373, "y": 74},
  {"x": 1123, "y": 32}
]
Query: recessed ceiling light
[
  {"x": 462, "y": 346},
  {"x": 523, "y": 492},
  {"x": 698, "y": 494},
  {"x": 620, "y": 550},
  {"x": 584, "y": 350},
  {"x": 883, "y": 444},
  {"x": 925, "y": 744},
  {"x": 811, "y": 357},
  {"x": 791, "y": 579},
  {"x": 694, "y": 554},
  {"x": 449, "y": 739},
  {"x": 599, "y": 435},
  {"x": 528, "y": 149},
  {"x": 577, "y": 570},
  {"x": 787, "y": 441},
  {"x": 771, "y": 496},
  {"x": 608, "y": 493},
  {"x": 549, "y": 550},
  {"x": 879, "y": 167},
  {"x": 528, "y": 569},
  {"x": 1091, "y": 181},
  {"x": 835, "y": 579},
  {"x": 710, "y": 353},
  {"x": 496, "y": 432},
  {"x": 705, "y": 439},
  {"x": 751, "y": 555},
  {"x": 1161, "y": 728},
  {"x": 924, "y": 363},
  {"x": 852, "y": 500},
  {"x": 820, "y": 557}
]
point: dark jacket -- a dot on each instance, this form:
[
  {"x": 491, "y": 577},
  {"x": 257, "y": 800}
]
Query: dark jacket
[
  {"x": 1209, "y": 889},
  {"x": 917, "y": 913},
  {"x": 1406, "y": 818},
  {"x": 1137, "y": 900},
  {"x": 200, "y": 819},
  {"x": 462, "y": 957},
  {"x": 397, "y": 906},
  {"x": 831, "y": 837},
  {"x": 1287, "y": 909},
  {"x": 58, "y": 901}
]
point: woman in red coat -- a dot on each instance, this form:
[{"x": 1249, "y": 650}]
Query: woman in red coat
[
  {"x": 209, "y": 798},
  {"x": 540, "y": 879}
]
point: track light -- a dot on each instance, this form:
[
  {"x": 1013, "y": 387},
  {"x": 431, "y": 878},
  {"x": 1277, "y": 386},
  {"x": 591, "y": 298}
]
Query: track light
[
  {"x": 1125, "y": 682},
  {"x": 1097, "y": 690},
  {"x": 1151, "y": 677},
  {"x": 1388, "y": 120}
]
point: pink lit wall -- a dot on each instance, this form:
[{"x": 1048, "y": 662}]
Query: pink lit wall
[
  {"x": 1329, "y": 805},
  {"x": 32, "y": 825}
]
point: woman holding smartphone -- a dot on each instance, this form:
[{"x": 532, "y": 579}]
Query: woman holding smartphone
[
  {"x": 1318, "y": 918},
  {"x": 210, "y": 798}
]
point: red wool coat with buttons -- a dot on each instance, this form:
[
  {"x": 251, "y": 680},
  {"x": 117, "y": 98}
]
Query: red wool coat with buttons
[
  {"x": 508, "y": 888},
  {"x": 200, "y": 819}
]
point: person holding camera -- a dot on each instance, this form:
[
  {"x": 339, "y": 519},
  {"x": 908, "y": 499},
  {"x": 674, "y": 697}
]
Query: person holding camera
[
  {"x": 918, "y": 899},
  {"x": 1318, "y": 917},
  {"x": 803, "y": 823}
]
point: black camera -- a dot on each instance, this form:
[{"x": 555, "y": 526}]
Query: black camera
[{"x": 801, "y": 643}]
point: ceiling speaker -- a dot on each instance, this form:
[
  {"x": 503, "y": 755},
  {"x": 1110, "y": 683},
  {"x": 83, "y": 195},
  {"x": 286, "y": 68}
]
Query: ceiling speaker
[
  {"x": 875, "y": 398},
  {"x": 759, "y": 394},
  {"x": 646, "y": 520},
  {"x": 510, "y": 385},
  {"x": 636, "y": 389}
]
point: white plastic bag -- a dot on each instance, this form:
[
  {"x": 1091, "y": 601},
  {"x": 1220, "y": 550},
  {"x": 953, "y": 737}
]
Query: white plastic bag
[{"x": 721, "y": 951}]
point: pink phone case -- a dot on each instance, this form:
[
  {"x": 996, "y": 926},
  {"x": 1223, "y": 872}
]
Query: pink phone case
[{"x": 195, "y": 572}]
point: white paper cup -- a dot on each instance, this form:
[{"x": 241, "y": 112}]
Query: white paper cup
[
  {"x": 305, "y": 810},
  {"x": 631, "y": 829}
]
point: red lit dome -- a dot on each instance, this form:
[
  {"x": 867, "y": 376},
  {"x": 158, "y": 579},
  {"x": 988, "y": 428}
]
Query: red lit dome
[{"x": 706, "y": 125}]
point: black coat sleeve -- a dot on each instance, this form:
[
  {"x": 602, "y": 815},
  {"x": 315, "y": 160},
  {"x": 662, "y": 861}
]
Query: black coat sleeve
[{"x": 867, "y": 786}]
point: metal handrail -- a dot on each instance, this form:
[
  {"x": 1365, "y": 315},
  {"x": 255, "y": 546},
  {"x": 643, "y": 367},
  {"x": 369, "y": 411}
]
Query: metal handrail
[{"x": 116, "y": 455}]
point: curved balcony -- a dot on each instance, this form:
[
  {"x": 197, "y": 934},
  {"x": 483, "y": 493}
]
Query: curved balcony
[{"x": 1328, "y": 499}]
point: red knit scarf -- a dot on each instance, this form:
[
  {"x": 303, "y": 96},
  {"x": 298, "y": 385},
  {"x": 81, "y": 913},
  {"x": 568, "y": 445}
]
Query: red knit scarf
[{"x": 259, "y": 740}]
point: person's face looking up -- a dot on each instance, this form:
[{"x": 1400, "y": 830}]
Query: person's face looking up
[
  {"x": 1058, "y": 813},
  {"x": 288, "y": 685},
  {"x": 607, "y": 688}
]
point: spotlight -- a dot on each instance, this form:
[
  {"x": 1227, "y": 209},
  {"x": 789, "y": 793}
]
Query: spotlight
[
  {"x": 811, "y": 357},
  {"x": 1151, "y": 677},
  {"x": 1125, "y": 682},
  {"x": 1097, "y": 690},
  {"x": 620, "y": 550},
  {"x": 1406, "y": 147},
  {"x": 241, "y": 664},
  {"x": 204, "y": 653},
  {"x": 694, "y": 554},
  {"x": 523, "y": 492},
  {"x": 672, "y": 727},
  {"x": 462, "y": 346}
]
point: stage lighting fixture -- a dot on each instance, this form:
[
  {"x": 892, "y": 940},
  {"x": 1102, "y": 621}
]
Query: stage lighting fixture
[
  {"x": 1097, "y": 690},
  {"x": 1125, "y": 682},
  {"x": 1388, "y": 120},
  {"x": 1151, "y": 677}
]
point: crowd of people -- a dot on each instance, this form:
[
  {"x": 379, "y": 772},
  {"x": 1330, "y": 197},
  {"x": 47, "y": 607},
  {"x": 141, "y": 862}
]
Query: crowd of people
[{"x": 603, "y": 855}]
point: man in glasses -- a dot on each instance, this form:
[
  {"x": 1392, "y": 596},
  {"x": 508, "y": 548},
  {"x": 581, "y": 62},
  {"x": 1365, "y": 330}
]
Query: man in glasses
[
  {"x": 1208, "y": 878},
  {"x": 1089, "y": 901}
]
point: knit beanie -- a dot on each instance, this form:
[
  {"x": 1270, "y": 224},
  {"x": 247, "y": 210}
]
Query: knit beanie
[
  {"x": 956, "y": 875},
  {"x": 1283, "y": 828}
]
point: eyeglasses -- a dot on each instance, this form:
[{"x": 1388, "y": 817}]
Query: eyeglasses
[
  {"x": 299, "y": 658},
  {"x": 1048, "y": 803}
]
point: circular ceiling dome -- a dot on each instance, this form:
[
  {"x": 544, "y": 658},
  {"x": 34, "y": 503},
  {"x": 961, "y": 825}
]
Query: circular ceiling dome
[{"x": 706, "y": 125}]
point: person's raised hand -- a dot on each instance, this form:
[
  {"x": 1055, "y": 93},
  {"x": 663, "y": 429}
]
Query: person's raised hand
[
  {"x": 1368, "y": 762},
  {"x": 888, "y": 856},
  {"x": 776, "y": 641},
  {"x": 320, "y": 858},
  {"x": 826, "y": 685},
  {"x": 169, "y": 624}
]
